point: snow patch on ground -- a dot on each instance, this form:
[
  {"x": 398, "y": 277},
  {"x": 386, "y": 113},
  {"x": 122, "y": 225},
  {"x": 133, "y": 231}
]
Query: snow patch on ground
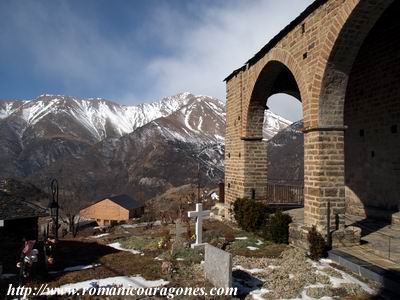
[
  {"x": 320, "y": 266},
  {"x": 251, "y": 248},
  {"x": 251, "y": 271},
  {"x": 119, "y": 247},
  {"x": 80, "y": 267},
  {"x": 120, "y": 281},
  {"x": 156, "y": 223},
  {"x": 76, "y": 268},
  {"x": 257, "y": 294},
  {"x": 99, "y": 235}
]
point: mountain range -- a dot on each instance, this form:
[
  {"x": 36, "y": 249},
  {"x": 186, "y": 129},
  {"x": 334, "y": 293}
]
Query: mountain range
[{"x": 104, "y": 147}]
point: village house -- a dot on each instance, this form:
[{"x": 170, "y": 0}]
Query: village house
[
  {"x": 18, "y": 217},
  {"x": 113, "y": 209},
  {"x": 19, "y": 221}
]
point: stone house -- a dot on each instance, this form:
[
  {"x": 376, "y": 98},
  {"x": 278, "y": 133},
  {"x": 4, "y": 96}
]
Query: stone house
[
  {"x": 19, "y": 220},
  {"x": 113, "y": 209}
]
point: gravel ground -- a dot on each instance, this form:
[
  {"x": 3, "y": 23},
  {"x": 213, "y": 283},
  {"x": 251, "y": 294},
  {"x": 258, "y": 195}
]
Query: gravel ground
[{"x": 294, "y": 276}]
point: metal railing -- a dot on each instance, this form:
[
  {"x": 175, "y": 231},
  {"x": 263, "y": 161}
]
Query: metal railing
[{"x": 278, "y": 193}]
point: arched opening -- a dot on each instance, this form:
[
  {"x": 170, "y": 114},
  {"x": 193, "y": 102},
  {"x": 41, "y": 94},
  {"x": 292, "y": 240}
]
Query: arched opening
[
  {"x": 282, "y": 154},
  {"x": 372, "y": 117},
  {"x": 275, "y": 78},
  {"x": 285, "y": 149}
]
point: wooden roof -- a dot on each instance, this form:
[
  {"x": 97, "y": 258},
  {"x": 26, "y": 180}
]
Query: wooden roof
[{"x": 122, "y": 200}]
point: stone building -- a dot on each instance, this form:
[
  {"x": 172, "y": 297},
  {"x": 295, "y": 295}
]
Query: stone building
[
  {"x": 340, "y": 58},
  {"x": 19, "y": 220},
  {"x": 113, "y": 209}
]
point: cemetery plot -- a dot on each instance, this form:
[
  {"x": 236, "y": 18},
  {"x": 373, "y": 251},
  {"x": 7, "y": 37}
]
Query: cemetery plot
[{"x": 162, "y": 253}]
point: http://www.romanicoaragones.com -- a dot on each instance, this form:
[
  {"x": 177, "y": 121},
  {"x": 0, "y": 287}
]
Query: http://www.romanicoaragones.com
[{"x": 168, "y": 292}]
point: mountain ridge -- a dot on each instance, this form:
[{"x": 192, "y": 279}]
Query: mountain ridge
[{"x": 142, "y": 150}]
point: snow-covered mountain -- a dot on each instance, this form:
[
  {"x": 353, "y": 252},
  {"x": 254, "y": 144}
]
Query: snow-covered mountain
[
  {"x": 111, "y": 148},
  {"x": 163, "y": 154},
  {"x": 200, "y": 121},
  {"x": 96, "y": 119},
  {"x": 273, "y": 123}
]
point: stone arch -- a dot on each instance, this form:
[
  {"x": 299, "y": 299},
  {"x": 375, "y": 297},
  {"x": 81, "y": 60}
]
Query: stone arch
[
  {"x": 280, "y": 73},
  {"x": 277, "y": 72},
  {"x": 342, "y": 43}
]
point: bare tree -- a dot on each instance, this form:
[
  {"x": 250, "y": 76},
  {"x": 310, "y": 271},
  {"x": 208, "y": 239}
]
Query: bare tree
[{"x": 72, "y": 197}]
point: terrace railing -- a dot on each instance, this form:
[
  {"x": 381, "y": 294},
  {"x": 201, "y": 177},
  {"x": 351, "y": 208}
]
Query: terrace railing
[{"x": 284, "y": 194}]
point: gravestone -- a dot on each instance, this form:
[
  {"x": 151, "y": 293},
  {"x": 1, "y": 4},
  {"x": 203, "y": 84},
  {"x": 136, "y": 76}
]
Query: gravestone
[
  {"x": 218, "y": 266},
  {"x": 179, "y": 242},
  {"x": 199, "y": 214}
]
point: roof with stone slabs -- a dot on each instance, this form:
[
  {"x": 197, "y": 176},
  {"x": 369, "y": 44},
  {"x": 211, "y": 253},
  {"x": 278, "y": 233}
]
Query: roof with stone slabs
[{"x": 15, "y": 207}]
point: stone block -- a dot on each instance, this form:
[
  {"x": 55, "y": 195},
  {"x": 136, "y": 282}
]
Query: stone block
[
  {"x": 221, "y": 211},
  {"x": 218, "y": 266},
  {"x": 298, "y": 235},
  {"x": 396, "y": 221},
  {"x": 347, "y": 237}
]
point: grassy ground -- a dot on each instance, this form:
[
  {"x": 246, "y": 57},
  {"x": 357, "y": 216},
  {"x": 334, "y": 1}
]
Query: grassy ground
[
  {"x": 88, "y": 250},
  {"x": 186, "y": 267},
  {"x": 240, "y": 242}
]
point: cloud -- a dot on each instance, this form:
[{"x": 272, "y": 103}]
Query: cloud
[
  {"x": 224, "y": 38},
  {"x": 172, "y": 47}
]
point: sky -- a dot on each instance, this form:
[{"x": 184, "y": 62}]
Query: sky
[{"x": 135, "y": 51}]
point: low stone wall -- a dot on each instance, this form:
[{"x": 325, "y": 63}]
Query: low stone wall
[
  {"x": 347, "y": 237},
  {"x": 298, "y": 235},
  {"x": 344, "y": 237}
]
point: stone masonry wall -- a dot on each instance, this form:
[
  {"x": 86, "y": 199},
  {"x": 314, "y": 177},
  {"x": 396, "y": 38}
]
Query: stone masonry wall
[
  {"x": 372, "y": 115},
  {"x": 308, "y": 51},
  {"x": 323, "y": 176}
]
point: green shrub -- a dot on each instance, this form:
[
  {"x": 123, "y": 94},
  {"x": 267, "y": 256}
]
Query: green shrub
[
  {"x": 249, "y": 214},
  {"x": 317, "y": 244},
  {"x": 277, "y": 229}
]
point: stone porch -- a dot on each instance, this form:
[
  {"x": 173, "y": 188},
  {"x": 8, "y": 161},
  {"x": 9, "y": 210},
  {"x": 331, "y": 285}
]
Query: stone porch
[{"x": 380, "y": 240}]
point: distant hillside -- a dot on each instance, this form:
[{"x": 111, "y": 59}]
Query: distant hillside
[
  {"x": 104, "y": 148},
  {"x": 286, "y": 155}
]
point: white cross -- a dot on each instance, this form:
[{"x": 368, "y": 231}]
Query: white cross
[{"x": 199, "y": 214}]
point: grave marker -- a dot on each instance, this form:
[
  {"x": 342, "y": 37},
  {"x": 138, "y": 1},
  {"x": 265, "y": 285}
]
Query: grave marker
[
  {"x": 179, "y": 242},
  {"x": 218, "y": 267},
  {"x": 199, "y": 214}
]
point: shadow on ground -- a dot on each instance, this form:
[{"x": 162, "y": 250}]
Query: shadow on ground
[{"x": 245, "y": 283}]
